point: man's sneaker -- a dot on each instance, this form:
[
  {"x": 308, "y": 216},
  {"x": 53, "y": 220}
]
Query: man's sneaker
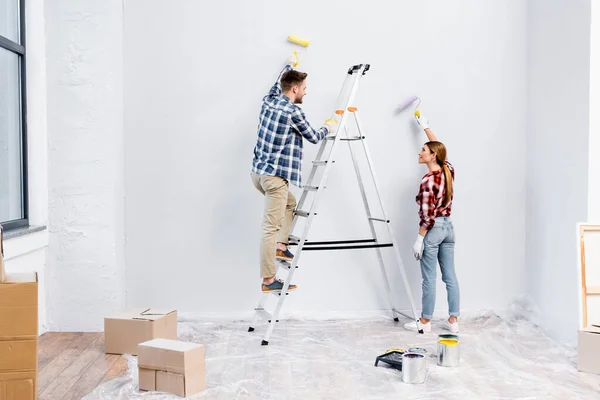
[
  {"x": 276, "y": 286},
  {"x": 285, "y": 255},
  {"x": 412, "y": 326},
  {"x": 452, "y": 327}
]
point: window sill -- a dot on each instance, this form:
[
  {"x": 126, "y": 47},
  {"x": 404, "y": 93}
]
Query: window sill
[
  {"x": 26, "y": 230},
  {"x": 21, "y": 241}
]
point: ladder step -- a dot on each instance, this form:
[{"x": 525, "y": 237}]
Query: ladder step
[
  {"x": 284, "y": 264},
  {"x": 293, "y": 238},
  {"x": 380, "y": 220},
  {"x": 311, "y": 188},
  {"x": 264, "y": 314},
  {"x": 332, "y": 137},
  {"x": 321, "y": 162},
  {"x": 301, "y": 213}
]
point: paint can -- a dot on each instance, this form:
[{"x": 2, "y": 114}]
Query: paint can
[
  {"x": 414, "y": 368},
  {"x": 419, "y": 350},
  {"x": 448, "y": 352},
  {"x": 447, "y": 336}
]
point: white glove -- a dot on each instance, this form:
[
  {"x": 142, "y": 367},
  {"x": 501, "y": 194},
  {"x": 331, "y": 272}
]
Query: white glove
[
  {"x": 294, "y": 60},
  {"x": 330, "y": 125},
  {"x": 418, "y": 247},
  {"x": 422, "y": 121}
]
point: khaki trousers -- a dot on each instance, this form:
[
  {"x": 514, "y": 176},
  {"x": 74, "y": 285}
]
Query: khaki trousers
[{"x": 280, "y": 204}]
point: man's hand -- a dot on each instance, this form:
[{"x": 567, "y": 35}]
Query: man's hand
[
  {"x": 418, "y": 247},
  {"x": 330, "y": 124},
  {"x": 294, "y": 60},
  {"x": 422, "y": 121}
]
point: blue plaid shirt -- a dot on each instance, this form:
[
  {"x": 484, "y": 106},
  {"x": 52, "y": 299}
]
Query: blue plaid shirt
[{"x": 281, "y": 127}]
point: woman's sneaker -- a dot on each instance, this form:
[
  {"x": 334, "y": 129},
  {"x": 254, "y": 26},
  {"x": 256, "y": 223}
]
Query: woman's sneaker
[
  {"x": 452, "y": 327},
  {"x": 412, "y": 326}
]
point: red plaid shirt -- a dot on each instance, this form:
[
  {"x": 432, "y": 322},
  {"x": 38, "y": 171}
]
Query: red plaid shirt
[{"x": 431, "y": 197}]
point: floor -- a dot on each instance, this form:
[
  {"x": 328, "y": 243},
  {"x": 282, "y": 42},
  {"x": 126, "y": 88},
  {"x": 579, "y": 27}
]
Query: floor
[
  {"x": 73, "y": 364},
  {"x": 501, "y": 358}
]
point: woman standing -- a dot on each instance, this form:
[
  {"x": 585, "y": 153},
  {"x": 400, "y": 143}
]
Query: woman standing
[{"x": 435, "y": 241}]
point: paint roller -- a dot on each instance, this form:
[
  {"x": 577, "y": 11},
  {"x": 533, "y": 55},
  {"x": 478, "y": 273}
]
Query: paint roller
[
  {"x": 299, "y": 41},
  {"x": 407, "y": 102}
]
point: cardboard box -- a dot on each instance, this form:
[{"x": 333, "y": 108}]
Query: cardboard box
[
  {"x": 588, "y": 359},
  {"x": 18, "y": 385},
  {"x": 125, "y": 329},
  {"x": 18, "y": 337},
  {"x": 172, "y": 366},
  {"x": 19, "y": 307}
]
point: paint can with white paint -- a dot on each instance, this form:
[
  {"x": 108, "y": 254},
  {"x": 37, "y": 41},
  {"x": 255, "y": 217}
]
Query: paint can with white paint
[
  {"x": 448, "y": 352},
  {"x": 419, "y": 350},
  {"x": 414, "y": 368}
]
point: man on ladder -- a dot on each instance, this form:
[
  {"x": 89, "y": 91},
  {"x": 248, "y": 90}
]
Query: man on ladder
[{"x": 277, "y": 162}]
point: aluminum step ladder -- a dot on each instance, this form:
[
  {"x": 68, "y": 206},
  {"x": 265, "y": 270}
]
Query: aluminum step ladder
[{"x": 346, "y": 111}]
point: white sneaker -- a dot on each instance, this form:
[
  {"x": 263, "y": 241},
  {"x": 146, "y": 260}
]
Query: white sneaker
[
  {"x": 411, "y": 326},
  {"x": 452, "y": 327}
]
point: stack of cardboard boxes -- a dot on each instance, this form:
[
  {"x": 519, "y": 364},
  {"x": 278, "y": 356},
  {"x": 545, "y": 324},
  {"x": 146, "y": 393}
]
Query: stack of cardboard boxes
[
  {"x": 18, "y": 333},
  {"x": 165, "y": 364}
]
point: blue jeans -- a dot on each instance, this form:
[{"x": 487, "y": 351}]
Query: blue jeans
[{"x": 439, "y": 246}]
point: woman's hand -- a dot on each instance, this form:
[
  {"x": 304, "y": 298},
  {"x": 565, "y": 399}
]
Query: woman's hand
[
  {"x": 418, "y": 247},
  {"x": 424, "y": 124}
]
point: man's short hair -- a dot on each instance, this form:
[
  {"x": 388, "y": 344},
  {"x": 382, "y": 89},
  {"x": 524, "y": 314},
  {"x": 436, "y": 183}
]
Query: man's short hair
[{"x": 292, "y": 78}]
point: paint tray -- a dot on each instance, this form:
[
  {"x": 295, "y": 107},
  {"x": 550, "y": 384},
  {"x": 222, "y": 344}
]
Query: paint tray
[{"x": 392, "y": 357}]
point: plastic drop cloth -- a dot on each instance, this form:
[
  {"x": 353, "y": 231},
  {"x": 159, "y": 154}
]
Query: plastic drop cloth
[{"x": 501, "y": 357}]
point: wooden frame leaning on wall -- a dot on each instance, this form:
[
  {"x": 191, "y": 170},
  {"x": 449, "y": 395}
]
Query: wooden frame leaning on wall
[{"x": 589, "y": 279}]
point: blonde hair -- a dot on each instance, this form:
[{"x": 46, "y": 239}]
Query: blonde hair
[{"x": 440, "y": 151}]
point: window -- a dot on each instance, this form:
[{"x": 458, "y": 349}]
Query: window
[{"x": 13, "y": 133}]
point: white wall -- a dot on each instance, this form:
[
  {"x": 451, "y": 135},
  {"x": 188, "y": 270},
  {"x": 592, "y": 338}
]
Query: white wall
[
  {"x": 557, "y": 156},
  {"x": 594, "y": 145},
  {"x": 28, "y": 253},
  {"x": 85, "y": 260},
  {"x": 192, "y": 87}
]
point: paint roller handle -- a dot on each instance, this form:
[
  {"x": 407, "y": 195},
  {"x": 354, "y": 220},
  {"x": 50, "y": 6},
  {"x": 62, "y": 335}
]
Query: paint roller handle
[{"x": 294, "y": 60}]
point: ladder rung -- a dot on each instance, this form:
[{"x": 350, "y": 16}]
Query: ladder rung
[
  {"x": 284, "y": 264},
  {"x": 332, "y": 137},
  {"x": 380, "y": 220},
  {"x": 307, "y": 243},
  {"x": 321, "y": 162},
  {"x": 293, "y": 238},
  {"x": 311, "y": 188},
  {"x": 301, "y": 213},
  {"x": 358, "y": 246},
  {"x": 264, "y": 314}
]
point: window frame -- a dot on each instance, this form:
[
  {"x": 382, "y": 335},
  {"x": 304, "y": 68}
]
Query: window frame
[{"x": 20, "y": 51}]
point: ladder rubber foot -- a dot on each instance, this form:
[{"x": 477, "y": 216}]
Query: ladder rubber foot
[
  {"x": 396, "y": 319},
  {"x": 264, "y": 343},
  {"x": 251, "y": 329},
  {"x": 420, "y": 330}
]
